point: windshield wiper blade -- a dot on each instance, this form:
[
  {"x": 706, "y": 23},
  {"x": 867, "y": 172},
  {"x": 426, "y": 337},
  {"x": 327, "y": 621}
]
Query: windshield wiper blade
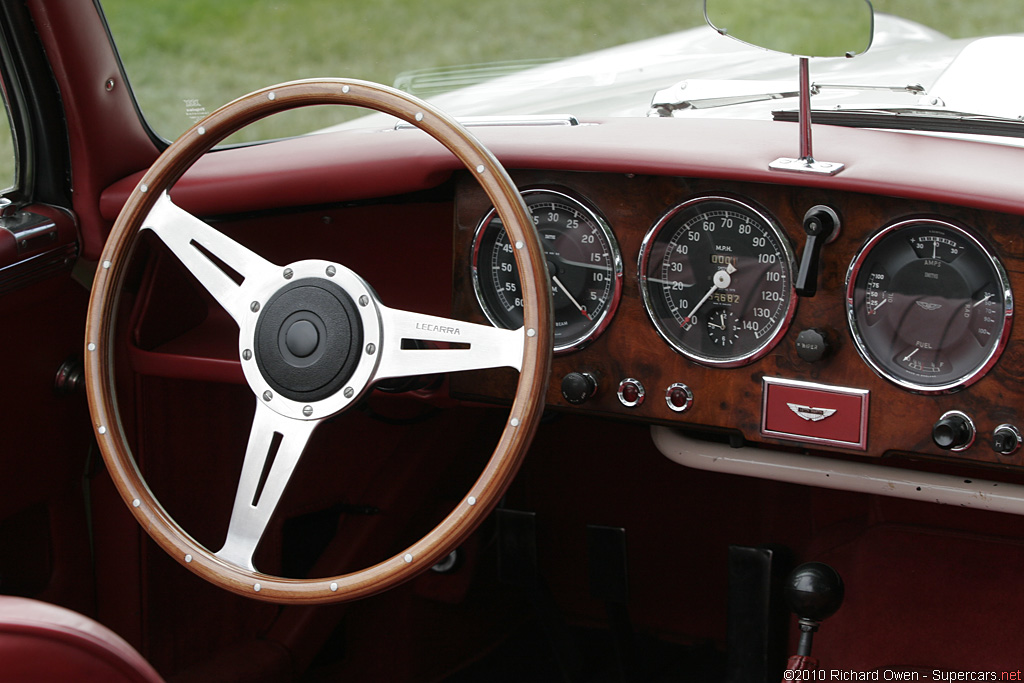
[{"x": 925, "y": 120}]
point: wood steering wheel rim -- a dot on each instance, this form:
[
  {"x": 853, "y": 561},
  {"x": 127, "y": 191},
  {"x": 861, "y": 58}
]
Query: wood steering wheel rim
[{"x": 100, "y": 336}]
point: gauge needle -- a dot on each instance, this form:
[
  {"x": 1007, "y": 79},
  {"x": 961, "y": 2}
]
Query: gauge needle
[
  {"x": 978, "y": 303},
  {"x": 554, "y": 278},
  {"x": 909, "y": 355},
  {"x": 721, "y": 280},
  {"x": 882, "y": 303}
]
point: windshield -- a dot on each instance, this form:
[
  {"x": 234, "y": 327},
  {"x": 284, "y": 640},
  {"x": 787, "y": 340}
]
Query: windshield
[{"x": 185, "y": 58}]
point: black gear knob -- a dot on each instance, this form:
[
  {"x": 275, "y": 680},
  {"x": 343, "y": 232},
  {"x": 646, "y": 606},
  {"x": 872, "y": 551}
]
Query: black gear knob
[{"x": 814, "y": 591}]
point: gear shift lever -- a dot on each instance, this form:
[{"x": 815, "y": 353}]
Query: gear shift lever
[{"x": 814, "y": 592}]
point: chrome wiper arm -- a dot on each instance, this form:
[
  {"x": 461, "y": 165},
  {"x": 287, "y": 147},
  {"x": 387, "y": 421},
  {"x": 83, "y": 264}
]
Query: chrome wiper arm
[
  {"x": 660, "y": 107},
  {"x": 699, "y": 94},
  {"x": 912, "y": 88}
]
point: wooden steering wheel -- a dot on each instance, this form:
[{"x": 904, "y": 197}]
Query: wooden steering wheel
[{"x": 313, "y": 339}]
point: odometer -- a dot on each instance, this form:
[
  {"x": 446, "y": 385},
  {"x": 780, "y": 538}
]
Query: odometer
[
  {"x": 583, "y": 263},
  {"x": 716, "y": 278},
  {"x": 929, "y": 306}
]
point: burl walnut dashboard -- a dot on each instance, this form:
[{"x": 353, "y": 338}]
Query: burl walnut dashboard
[{"x": 676, "y": 303}]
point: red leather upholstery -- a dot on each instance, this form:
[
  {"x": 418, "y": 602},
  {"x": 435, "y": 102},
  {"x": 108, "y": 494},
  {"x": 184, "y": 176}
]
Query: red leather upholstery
[{"x": 43, "y": 642}]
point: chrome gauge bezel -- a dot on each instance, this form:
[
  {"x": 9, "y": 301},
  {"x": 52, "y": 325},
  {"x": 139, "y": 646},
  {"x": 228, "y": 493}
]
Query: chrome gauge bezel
[
  {"x": 595, "y": 327},
  {"x": 869, "y": 355},
  {"x": 780, "y": 327}
]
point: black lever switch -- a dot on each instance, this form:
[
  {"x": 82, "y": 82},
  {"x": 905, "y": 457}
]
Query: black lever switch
[{"x": 822, "y": 226}]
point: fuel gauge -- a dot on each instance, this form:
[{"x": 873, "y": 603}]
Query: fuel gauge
[{"x": 921, "y": 362}]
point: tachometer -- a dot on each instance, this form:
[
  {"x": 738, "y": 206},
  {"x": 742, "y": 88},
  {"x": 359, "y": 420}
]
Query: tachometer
[
  {"x": 716, "y": 278},
  {"x": 929, "y": 306},
  {"x": 583, "y": 262}
]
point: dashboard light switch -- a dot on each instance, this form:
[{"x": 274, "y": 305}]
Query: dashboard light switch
[
  {"x": 679, "y": 397},
  {"x": 631, "y": 393}
]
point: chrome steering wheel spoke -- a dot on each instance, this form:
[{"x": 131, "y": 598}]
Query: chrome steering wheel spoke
[
  {"x": 275, "y": 445},
  {"x": 469, "y": 346},
  {"x": 193, "y": 241}
]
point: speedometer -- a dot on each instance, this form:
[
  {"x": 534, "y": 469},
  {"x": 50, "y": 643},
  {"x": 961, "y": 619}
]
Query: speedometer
[
  {"x": 583, "y": 263},
  {"x": 716, "y": 278},
  {"x": 929, "y": 306}
]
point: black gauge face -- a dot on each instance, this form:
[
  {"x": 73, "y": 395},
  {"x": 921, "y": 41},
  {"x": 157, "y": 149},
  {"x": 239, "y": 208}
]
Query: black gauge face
[
  {"x": 928, "y": 305},
  {"x": 583, "y": 263},
  {"x": 716, "y": 277}
]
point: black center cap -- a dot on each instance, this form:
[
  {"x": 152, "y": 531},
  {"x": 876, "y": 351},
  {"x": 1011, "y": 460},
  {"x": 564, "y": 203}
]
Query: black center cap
[
  {"x": 302, "y": 338},
  {"x": 308, "y": 340}
]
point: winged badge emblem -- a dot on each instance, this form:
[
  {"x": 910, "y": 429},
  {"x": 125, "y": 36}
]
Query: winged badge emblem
[
  {"x": 929, "y": 305},
  {"x": 811, "y": 414}
]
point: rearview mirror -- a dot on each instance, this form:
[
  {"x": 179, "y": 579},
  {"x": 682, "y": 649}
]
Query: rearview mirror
[{"x": 806, "y": 28}]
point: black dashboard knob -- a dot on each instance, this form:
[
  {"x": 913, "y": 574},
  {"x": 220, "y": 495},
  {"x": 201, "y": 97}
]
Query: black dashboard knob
[
  {"x": 812, "y": 345},
  {"x": 1006, "y": 439},
  {"x": 954, "y": 431},
  {"x": 577, "y": 387}
]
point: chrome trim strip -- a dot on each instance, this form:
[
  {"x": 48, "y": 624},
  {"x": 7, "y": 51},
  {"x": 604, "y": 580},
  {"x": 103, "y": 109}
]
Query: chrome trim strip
[
  {"x": 521, "y": 120},
  {"x": 809, "y": 470}
]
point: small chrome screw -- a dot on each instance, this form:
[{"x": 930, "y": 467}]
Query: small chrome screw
[
  {"x": 307, "y": 411},
  {"x": 349, "y": 392},
  {"x": 288, "y": 273},
  {"x": 371, "y": 349},
  {"x": 254, "y": 306},
  {"x": 267, "y": 395},
  {"x": 364, "y": 300},
  {"x": 331, "y": 271},
  {"x": 247, "y": 355}
]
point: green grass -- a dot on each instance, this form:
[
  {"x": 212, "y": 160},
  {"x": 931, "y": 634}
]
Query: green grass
[
  {"x": 187, "y": 50},
  {"x": 185, "y": 57},
  {"x": 6, "y": 155}
]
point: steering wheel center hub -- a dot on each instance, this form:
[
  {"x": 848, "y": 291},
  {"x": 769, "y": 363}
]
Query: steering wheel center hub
[
  {"x": 308, "y": 340},
  {"x": 302, "y": 338}
]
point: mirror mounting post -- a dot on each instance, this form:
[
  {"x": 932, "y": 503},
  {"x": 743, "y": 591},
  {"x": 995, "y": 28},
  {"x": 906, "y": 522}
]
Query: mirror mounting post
[
  {"x": 806, "y": 163},
  {"x": 806, "y": 151},
  {"x": 804, "y": 29}
]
